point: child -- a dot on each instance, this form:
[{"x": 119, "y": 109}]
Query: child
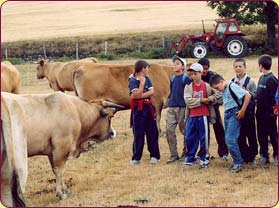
[
  {"x": 232, "y": 115},
  {"x": 266, "y": 120},
  {"x": 176, "y": 107},
  {"x": 198, "y": 95},
  {"x": 248, "y": 126},
  {"x": 143, "y": 114},
  {"x": 218, "y": 125}
]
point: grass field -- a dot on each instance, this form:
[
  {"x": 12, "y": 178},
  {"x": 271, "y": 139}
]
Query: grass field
[
  {"x": 45, "y": 19},
  {"x": 103, "y": 177}
]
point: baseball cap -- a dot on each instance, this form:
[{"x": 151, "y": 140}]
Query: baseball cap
[
  {"x": 183, "y": 61},
  {"x": 196, "y": 67}
]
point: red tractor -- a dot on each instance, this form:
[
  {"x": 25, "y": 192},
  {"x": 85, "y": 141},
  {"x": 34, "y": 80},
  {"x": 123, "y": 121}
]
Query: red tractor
[{"x": 227, "y": 37}]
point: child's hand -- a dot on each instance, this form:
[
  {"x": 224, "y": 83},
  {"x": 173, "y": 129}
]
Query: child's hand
[
  {"x": 205, "y": 101},
  {"x": 240, "y": 114},
  {"x": 142, "y": 79}
]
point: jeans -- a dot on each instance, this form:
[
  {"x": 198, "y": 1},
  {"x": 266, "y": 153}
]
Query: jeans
[{"x": 232, "y": 131}]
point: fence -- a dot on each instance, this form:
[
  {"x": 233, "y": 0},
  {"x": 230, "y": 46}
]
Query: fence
[{"x": 79, "y": 49}]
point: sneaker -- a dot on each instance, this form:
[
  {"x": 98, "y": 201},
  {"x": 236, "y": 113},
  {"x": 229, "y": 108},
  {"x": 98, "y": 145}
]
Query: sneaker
[
  {"x": 188, "y": 164},
  {"x": 253, "y": 162},
  {"x": 172, "y": 159},
  {"x": 134, "y": 162},
  {"x": 275, "y": 161},
  {"x": 225, "y": 158},
  {"x": 204, "y": 164},
  {"x": 153, "y": 160},
  {"x": 235, "y": 168},
  {"x": 263, "y": 160},
  {"x": 182, "y": 157}
]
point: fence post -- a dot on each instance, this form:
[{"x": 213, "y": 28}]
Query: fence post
[
  {"x": 139, "y": 48},
  {"x": 164, "y": 42},
  {"x": 44, "y": 48},
  {"x": 77, "y": 56},
  {"x": 106, "y": 47},
  {"x": 6, "y": 53}
]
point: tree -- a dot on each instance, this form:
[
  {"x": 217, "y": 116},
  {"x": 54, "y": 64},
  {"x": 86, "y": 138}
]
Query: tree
[{"x": 249, "y": 13}]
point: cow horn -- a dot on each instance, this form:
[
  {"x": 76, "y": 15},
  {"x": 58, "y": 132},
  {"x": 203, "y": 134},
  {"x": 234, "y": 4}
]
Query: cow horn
[{"x": 112, "y": 105}]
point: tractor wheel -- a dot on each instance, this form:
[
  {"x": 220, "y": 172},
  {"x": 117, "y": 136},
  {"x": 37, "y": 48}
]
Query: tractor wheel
[
  {"x": 235, "y": 47},
  {"x": 199, "y": 50}
]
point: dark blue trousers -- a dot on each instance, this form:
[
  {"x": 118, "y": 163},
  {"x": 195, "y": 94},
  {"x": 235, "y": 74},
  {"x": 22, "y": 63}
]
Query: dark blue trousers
[{"x": 145, "y": 124}]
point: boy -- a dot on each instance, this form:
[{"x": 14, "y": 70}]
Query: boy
[
  {"x": 143, "y": 114},
  {"x": 198, "y": 95},
  {"x": 248, "y": 126},
  {"x": 218, "y": 125},
  {"x": 232, "y": 116},
  {"x": 266, "y": 120},
  {"x": 176, "y": 107}
]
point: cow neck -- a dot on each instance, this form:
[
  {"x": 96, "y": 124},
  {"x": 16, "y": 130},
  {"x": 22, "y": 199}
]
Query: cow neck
[{"x": 46, "y": 70}]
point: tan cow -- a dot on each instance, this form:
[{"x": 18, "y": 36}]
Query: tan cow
[
  {"x": 14, "y": 167},
  {"x": 10, "y": 78},
  {"x": 60, "y": 74},
  {"x": 57, "y": 124},
  {"x": 110, "y": 82}
]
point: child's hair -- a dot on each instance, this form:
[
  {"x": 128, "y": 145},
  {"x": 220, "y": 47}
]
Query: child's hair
[
  {"x": 266, "y": 61},
  {"x": 140, "y": 64},
  {"x": 215, "y": 79},
  {"x": 240, "y": 60},
  {"x": 204, "y": 61}
]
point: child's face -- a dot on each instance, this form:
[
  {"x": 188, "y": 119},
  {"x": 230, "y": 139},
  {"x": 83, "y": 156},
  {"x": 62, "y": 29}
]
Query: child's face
[
  {"x": 220, "y": 86},
  {"x": 145, "y": 70},
  {"x": 239, "y": 68},
  {"x": 205, "y": 70},
  {"x": 196, "y": 76},
  {"x": 177, "y": 66}
]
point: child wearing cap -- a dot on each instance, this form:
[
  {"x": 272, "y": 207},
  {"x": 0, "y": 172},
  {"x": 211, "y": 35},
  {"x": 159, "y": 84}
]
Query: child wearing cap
[
  {"x": 198, "y": 96},
  {"x": 176, "y": 107},
  {"x": 232, "y": 115},
  {"x": 143, "y": 114},
  {"x": 266, "y": 119}
]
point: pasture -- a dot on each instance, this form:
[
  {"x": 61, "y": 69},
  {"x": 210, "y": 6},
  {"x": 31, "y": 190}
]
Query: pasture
[{"x": 103, "y": 177}]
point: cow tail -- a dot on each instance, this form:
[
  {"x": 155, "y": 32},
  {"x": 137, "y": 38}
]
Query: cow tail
[{"x": 17, "y": 195}]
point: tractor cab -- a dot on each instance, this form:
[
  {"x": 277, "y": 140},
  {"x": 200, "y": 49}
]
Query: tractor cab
[{"x": 224, "y": 28}]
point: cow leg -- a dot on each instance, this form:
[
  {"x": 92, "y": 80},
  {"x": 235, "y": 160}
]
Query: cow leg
[
  {"x": 58, "y": 168},
  {"x": 158, "y": 108}
]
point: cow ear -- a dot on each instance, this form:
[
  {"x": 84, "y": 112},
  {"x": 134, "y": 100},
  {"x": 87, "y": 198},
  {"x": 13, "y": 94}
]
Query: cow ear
[{"x": 42, "y": 62}]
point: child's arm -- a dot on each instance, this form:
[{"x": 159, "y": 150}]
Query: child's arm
[
  {"x": 139, "y": 94},
  {"x": 241, "y": 112},
  {"x": 189, "y": 100}
]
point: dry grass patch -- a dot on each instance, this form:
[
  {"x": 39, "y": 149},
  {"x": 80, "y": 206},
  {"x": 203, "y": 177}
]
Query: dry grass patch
[{"x": 103, "y": 177}]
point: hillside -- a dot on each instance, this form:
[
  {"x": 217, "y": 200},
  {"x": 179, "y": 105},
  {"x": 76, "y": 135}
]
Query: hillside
[{"x": 44, "y": 20}]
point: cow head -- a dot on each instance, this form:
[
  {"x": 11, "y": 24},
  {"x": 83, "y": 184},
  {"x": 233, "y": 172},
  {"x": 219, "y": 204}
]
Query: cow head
[
  {"x": 40, "y": 70},
  {"x": 107, "y": 111}
]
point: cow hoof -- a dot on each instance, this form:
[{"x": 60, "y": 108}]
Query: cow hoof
[{"x": 61, "y": 196}]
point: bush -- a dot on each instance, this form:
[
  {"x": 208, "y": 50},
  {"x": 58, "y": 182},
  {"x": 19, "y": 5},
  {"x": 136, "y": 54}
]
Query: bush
[
  {"x": 15, "y": 61},
  {"x": 108, "y": 56}
]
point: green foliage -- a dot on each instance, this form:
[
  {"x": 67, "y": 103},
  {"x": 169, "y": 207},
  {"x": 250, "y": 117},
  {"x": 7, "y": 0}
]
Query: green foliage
[
  {"x": 107, "y": 56},
  {"x": 15, "y": 61},
  {"x": 65, "y": 59},
  {"x": 247, "y": 13}
]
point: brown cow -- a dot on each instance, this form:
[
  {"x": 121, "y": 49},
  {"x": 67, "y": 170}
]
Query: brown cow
[
  {"x": 14, "y": 167},
  {"x": 10, "y": 78},
  {"x": 57, "y": 124},
  {"x": 60, "y": 74},
  {"x": 110, "y": 82}
]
